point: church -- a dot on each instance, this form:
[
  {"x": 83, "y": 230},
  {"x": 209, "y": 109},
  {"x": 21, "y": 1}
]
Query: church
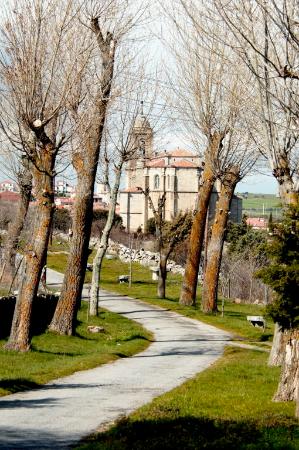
[{"x": 176, "y": 173}]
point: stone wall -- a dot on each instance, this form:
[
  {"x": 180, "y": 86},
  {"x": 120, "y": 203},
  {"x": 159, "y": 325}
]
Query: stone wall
[{"x": 142, "y": 256}]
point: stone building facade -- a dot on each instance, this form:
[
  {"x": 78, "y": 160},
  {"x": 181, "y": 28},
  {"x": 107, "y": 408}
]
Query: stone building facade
[{"x": 177, "y": 173}]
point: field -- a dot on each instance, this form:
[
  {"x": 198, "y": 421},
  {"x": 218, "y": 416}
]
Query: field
[{"x": 260, "y": 205}]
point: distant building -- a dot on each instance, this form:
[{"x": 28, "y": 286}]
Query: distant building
[
  {"x": 64, "y": 202},
  {"x": 63, "y": 188},
  {"x": 257, "y": 223},
  {"x": 8, "y": 186},
  {"x": 102, "y": 191},
  {"x": 177, "y": 173}
]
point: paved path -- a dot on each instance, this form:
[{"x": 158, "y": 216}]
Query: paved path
[{"x": 64, "y": 411}]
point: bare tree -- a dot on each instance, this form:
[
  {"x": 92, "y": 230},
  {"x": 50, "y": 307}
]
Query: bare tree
[
  {"x": 266, "y": 40},
  {"x": 37, "y": 69},
  {"x": 210, "y": 96},
  {"x": 168, "y": 234},
  {"x": 122, "y": 145},
  {"x": 109, "y": 22}
]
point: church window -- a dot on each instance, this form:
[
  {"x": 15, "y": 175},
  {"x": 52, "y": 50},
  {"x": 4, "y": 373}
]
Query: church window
[{"x": 156, "y": 182}]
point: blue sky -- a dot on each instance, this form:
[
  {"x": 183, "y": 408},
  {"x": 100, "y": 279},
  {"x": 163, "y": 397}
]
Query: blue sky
[{"x": 263, "y": 184}]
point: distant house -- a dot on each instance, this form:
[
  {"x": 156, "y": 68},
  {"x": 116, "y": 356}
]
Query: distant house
[
  {"x": 98, "y": 202},
  {"x": 8, "y": 186},
  {"x": 64, "y": 202},
  {"x": 63, "y": 188},
  {"x": 257, "y": 223},
  {"x": 67, "y": 202}
]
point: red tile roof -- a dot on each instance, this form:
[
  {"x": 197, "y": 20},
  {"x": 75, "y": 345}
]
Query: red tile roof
[
  {"x": 178, "y": 152},
  {"x": 156, "y": 163},
  {"x": 8, "y": 196},
  {"x": 160, "y": 163},
  {"x": 257, "y": 222},
  {"x": 183, "y": 163}
]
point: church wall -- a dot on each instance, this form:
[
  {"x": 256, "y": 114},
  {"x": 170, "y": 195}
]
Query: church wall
[
  {"x": 187, "y": 180},
  {"x": 131, "y": 209}
]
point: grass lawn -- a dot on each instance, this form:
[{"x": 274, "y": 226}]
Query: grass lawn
[
  {"x": 227, "y": 406},
  {"x": 54, "y": 356}
]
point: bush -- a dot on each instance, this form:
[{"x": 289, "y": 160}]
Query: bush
[
  {"x": 151, "y": 226},
  {"x": 99, "y": 220},
  {"x": 62, "y": 220},
  {"x": 282, "y": 274}
]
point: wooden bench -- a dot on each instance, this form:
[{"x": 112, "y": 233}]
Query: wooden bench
[
  {"x": 124, "y": 278},
  {"x": 257, "y": 321}
]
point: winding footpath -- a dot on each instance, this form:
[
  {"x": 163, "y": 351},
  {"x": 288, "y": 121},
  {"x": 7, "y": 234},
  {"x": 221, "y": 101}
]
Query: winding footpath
[{"x": 65, "y": 410}]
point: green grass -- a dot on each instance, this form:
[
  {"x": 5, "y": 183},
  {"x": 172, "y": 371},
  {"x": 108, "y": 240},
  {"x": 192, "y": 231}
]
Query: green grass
[
  {"x": 54, "y": 356},
  {"x": 145, "y": 289},
  {"x": 256, "y": 204},
  {"x": 225, "y": 407}
]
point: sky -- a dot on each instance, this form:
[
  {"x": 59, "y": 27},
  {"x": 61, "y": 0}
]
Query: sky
[
  {"x": 157, "y": 58},
  {"x": 258, "y": 184}
]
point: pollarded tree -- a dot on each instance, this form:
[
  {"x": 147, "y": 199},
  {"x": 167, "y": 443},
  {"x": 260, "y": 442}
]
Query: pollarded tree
[
  {"x": 38, "y": 69},
  {"x": 210, "y": 96},
  {"x": 109, "y": 23},
  {"x": 215, "y": 245},
  {"x": 266, "y": 40},
  {"x": 266, "y": 34}
]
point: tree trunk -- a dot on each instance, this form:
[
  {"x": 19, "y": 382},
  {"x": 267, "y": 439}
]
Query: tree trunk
[
  {"x": 162, "y": 275},
  {"x": 297, "y": 404},
  {"x": 63, "y": 321},
  {"x": 287, "y": 191},
  {"x": 214, "y": 254},
  {"x": 289, "y": 378},
  {"x": 34, "y": 255},
  {"x": 102, "y": 248},
  {"x": 85, "y": 163},
  {"x": 289, "y": 196},
  {"x": 15, "y": 228},
  {"x": 278, "y": 346},
  {"x": 189, "y": 284}
]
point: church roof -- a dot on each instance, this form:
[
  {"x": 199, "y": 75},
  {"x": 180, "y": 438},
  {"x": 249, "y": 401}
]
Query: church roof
[
  {"x": 156, "y": 163},
  {"x": 160, "y": 163},
  {"x": 178, "y": 152},
  {"x": 183, "y": 163}
]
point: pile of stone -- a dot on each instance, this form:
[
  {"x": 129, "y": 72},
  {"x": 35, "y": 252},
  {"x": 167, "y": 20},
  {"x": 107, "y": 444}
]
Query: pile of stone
[{"x": 143, "y": 257}]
